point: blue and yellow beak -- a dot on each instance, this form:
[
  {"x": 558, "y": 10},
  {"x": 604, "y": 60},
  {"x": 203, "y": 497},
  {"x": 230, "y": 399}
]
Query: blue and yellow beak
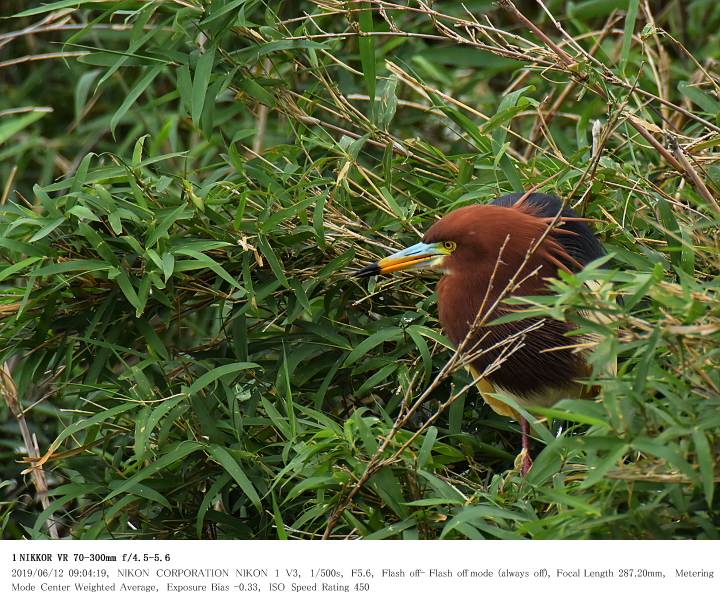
[{"x": 415, "y": 257}]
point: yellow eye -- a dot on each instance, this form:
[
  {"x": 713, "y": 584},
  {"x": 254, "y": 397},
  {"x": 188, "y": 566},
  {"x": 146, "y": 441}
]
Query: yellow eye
[{"x": 449, "y": 246}]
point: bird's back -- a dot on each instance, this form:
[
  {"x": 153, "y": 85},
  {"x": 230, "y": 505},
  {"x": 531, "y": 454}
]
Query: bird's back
[{"x": 583, "y": 246}]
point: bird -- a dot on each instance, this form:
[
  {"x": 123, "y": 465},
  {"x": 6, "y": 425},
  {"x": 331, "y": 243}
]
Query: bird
[{"x": 486, "y": 253}]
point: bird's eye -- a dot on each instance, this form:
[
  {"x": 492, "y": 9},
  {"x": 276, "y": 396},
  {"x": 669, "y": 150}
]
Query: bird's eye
[{"x": 449, "y": 246}]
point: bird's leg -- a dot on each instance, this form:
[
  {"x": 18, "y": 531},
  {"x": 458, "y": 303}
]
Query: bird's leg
[{"x": 526, "y": 460}]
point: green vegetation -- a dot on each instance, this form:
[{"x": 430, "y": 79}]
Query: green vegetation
[{"x": 187, "y": 187}]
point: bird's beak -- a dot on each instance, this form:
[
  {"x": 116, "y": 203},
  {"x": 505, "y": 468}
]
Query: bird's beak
[{"x": 419, "y": 255}]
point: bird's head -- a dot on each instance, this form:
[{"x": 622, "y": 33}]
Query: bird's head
[{"x": 473, "y": 239}]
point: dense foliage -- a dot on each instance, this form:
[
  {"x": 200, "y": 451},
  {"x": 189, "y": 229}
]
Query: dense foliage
[{"x": 188, "y": 186}]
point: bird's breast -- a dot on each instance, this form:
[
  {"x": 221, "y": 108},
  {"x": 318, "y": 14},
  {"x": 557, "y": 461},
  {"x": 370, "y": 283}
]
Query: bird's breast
[{"x": 532, "y": 359}]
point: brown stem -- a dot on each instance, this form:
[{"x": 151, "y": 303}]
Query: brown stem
[
  {"x": 569, "y": 88},
  {"x": 681, "y": 164},
  {"x": 564, "y": 57},
  {"x": 9, "y": 393},
  {"x": 697, "y": 182}
]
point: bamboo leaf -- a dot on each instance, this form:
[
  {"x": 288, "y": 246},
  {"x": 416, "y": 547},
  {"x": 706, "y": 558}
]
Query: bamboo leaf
[
  {"x": 209, "y": 377},
  {"x": 10, "y": 127},
  {"x": 372, "y": 341},
  {"x": 630, "y": 19},
  {"x": 201, "y": 80},
  {"x": 366, "y": 45},
  {"x": 140, "y": 86},
  {"x": 179, "y": 452},
  {"x": 225, "y": 459},
  {"x": 707, "y": 466}
]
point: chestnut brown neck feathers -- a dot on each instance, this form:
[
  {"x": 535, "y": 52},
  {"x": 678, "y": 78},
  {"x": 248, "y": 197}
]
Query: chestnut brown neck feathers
[{"x": 493, "y": 243}]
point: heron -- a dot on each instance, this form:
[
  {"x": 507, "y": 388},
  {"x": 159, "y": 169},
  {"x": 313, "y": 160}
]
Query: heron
[{"x": 486, "y": 253}]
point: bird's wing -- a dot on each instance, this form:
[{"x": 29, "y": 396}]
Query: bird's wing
[{"x": 550, "y": 396}]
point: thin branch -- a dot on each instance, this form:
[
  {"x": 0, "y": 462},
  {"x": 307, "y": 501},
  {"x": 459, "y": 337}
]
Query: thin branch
[{"x": 8, "y": 390}]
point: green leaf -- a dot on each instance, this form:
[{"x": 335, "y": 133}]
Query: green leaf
[
  {"x": 703, "y": 100},
  {"x": 392, "y": 529},
  {"x": 372, "y": 341},
  {"x": 50, "y": 226},
  {"x": 148, "y": 493},
  {"x": 82, "y": 89},
  {"x": 183, "y": 82},
  {"x": 209, "y": 377},
  {"x": 255, "y": 90},
  {"x": 535, "y": 425},
  {"x": 311, "y": 483},
  {"x": 571, "y": 416},
  {"x": 201, "y": 80},
  {"x": 168, "y": 265},
  {"x": 17, "y": 267},
  {"x": 214, "y": 14},
  {"x": 388, "y": 102},
  {"x": 208, "y": 499},
  {"x": 607, "y": 461},
  {"x": 93, "y": 421},
  {"x": 706, "y": 464},
  {"x": 279, "y": 523},
  {"x": 84, "y": 213},
  {"x": 143, "y": 429},
  {"x": 380, "y": 376},
  {"x": 664, "y": 452},
  {"x": 509, "y": 107},
  {"x": 473, "y": 514},
  {"x": 179, "y": 451},
  {"x": 73, "y": 265},
  {"x": 10, "y": 127},
  {"x": 366, "y": 45},
  {"x": 273, "y": 260},
  {"x": 370, "y": 443},
  {"x": 141, "y": 84},
  {"x": 211, "y": 264},
  {"x": 630, "y": 18},
  {"x": 53, "y": 6},
  {"x": 443, "y": 489},
  {"x": 426, "y": 448},
  {"x": 225, "y": 459},
  {"x": 559, "y": 497},
  {"x": 123, "y": 280}
]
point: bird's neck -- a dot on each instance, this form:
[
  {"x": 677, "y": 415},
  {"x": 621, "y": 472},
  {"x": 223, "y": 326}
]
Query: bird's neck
[{"x": 464, "y": 296}]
